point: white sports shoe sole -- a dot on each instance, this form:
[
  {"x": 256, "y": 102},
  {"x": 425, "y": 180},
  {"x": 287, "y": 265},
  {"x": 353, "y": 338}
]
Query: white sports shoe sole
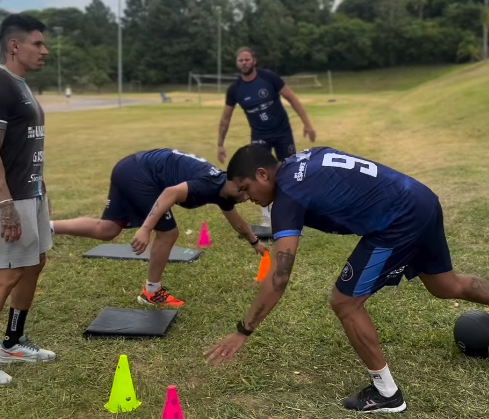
[
  {"x": 25, "y": 352},
  {"x": 5, "y": 379}
]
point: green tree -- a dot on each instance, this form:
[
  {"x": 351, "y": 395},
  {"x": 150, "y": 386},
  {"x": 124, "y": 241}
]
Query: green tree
[
  {"x": 309, "y": 11},
  {"x": 99, "y": 78},
  {"x": 361, "y": 9},
  {"x": 469, "y": 49},
  {"x": 351, "y": 43},
  {"x": 99, "y": 25},
  {"x": 43, "y": 79},
  {"x": 272, "y": 35},
  {"x": 310, "y": 48}
]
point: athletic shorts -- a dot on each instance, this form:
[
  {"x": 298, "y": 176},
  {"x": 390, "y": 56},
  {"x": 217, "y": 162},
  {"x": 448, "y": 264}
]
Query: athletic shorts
[
  {"x": 413, "y": 244},
  {"x": 36, "y": 235},
  {"x": 132, "y": 195},
  {"x": 283, "y": 145}
]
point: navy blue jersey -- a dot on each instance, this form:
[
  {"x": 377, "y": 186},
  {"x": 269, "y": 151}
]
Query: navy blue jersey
[
  {"x": 332, "y": 191},
  {"x": 167, "y": 168},
  {"x": 260, "y": 100}
]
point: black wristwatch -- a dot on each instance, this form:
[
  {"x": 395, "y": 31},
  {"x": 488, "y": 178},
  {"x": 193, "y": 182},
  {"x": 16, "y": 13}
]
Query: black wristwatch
[
  {"x": 242, "y": 329},
  {"x": 255, "y": 242}
]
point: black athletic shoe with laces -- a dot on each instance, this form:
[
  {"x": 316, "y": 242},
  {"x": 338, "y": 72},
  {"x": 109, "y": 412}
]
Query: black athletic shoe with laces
[{"x": 369, "y": 400}]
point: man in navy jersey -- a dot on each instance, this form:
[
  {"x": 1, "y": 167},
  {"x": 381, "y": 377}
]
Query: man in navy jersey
[
  {"x": 401, "y": 224},
  {"x": 259, "y": 92},
  {"x": 144, "y": 187}
]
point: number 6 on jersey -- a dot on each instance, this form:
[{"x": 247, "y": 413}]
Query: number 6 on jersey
[{"x": 348, "y": 162}]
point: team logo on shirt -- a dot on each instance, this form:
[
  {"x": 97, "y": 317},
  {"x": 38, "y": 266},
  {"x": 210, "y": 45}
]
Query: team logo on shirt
[
  {"x": 214, "y": 171},
  {"x": 303, "y": 155},
  {"x": 37, "y": 158},
  {"x": 263, "y": 93},
  {"x": 35, "y": 178},
  {"x": 301, "y": 174},
  {"x": 36, "y": 132},
  {"x": 347, "y": 272}
]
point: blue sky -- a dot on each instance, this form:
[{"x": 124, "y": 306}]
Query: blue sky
[{"x": 20, "y": 5}]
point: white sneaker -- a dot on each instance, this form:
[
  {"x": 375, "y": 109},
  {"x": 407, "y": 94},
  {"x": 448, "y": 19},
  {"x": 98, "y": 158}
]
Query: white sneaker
[
  {"x": 266, "y": 217},
  {"x": 25, "y": 351},
  {"x": 5, "y": 379}
]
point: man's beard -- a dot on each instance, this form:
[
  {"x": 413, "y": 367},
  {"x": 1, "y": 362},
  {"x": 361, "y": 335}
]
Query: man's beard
[{"x": 249, "y": 71}]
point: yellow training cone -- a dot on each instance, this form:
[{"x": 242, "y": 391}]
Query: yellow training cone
[{"x": 123, "y": 396}]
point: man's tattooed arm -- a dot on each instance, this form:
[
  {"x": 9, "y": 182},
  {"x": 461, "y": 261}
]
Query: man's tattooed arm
[
  {"x": 239, "y": 224},
  {"x": 246, "y": 233},
  {"x": 153, "y": 209},
  {"x": 274, "y": 285},
  {"x": 164, "y": 203},
  {"x": 224, "y": 124},
  {"x": 285, "y": 262}
]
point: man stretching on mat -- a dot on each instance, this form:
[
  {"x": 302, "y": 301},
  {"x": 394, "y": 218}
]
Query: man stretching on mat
[
  {"x": 144, "y": 187},
  {"x": 401, "y": 224}
]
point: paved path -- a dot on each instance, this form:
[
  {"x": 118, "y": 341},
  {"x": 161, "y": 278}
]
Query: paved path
[{"x": 81, "y": 104}]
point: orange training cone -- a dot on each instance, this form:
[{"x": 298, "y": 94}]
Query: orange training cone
[
  {"x": 172, "y": 409},
  {"x": 204, "y": 238},
  {"x": 263, "y": 268}
]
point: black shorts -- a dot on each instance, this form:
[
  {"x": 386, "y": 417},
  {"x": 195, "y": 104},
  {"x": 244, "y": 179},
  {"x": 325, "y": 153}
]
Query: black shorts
[
  {"x": 413, "y": 244},
  {"x": 283, "y": 145},
  {"x": 132, "y": 196}
]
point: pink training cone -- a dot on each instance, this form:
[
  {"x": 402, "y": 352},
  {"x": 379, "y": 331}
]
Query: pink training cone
[
  {"x": 204, "y": 238},
  {"x": 172, "y": 409}
]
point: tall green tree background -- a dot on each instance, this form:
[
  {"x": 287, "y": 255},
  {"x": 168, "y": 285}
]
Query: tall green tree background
[{"x": 166, "y": 39}]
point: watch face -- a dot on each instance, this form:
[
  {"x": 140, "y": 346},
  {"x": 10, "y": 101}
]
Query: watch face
[{"x": 242, "y": 329}]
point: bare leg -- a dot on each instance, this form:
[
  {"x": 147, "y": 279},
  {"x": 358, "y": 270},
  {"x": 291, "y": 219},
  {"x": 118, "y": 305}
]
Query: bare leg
[
  {"x": 160, "y": 252},
  {"x": 451, "y": 285},
  {"x": 22, "y": 294},
  {"x": 153, "y": 293},
  {"x": 15, "y": 347},
  {"x": 359, "y": 328},
  {"x": 93, "y": 228},
  {"x": 9, "y": 278}
]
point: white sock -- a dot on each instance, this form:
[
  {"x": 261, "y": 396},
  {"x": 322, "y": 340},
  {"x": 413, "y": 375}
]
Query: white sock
[
  {"x": 266, "y": 218},
  {"x": 384, "y": 382},
  {"x": 51, "y": 224},
  {"x": 152, "y": 287}
]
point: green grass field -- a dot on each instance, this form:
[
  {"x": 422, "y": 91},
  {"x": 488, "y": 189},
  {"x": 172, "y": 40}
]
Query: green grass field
[{"x": 299, "y": 364}]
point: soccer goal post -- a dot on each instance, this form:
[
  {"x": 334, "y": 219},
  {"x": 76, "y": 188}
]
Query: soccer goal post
[
  {"x": 210, "y": 82},
  {"x": 303, "y": 80}
]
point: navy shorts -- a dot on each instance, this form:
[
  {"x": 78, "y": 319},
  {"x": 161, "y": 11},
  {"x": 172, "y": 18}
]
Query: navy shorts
[
  {"x": 413, "y": 244},
  {"x": 283, "y": 145},
  {"x": 132, "y": 196}
]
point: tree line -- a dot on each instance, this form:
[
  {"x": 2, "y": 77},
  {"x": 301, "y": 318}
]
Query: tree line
[{"x": 164, "y": 40}]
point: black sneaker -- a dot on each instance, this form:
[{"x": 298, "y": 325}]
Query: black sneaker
[{"x": 369, "y": 400}]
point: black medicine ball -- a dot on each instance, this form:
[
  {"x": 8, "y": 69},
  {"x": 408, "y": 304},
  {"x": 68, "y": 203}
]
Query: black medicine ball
[{"x": 471, "y": 333}]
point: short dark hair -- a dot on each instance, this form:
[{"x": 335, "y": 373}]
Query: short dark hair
[
  {"x": 248, "y": 159},
  {"x": 246, "y": 49},
  {"x": 18, "y": 23}
]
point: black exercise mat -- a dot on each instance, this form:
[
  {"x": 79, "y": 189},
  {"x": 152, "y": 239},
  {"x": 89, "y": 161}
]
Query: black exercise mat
[
  {"x": 263, "y": 233},
  {"x": 130, "y": 324},
  {"x": 124, "y": 252}
]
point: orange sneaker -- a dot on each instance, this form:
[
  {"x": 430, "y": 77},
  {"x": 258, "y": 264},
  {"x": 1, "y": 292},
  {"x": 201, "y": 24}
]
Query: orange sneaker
[{"x": 160, "y": 298}]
